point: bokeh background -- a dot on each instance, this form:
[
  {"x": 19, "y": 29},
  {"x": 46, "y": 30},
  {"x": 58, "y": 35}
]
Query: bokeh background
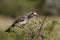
[
  {"x": 15, "y": 8},
  {"x": 10, "y": 10}
]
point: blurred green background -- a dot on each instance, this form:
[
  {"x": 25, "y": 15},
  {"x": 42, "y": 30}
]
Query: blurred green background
[
  {"x": 17, "y": 8},
  {"x": 10, "y": 9}
]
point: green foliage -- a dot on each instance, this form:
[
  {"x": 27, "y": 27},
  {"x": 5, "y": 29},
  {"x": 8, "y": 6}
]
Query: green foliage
[
  {"x": 32, "y": 29},
  {"x": 50, "y": 30}
]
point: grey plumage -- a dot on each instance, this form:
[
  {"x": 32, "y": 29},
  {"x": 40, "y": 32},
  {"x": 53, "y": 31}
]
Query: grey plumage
[{"x": 22, "y": 20}]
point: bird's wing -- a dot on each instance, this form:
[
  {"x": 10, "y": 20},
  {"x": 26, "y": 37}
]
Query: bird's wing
[
  {"x": 18, "y": 20},
  {"x": 21, "y": 19}
]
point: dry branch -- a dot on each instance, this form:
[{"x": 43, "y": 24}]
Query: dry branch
[{"x": 40, "y": 28}]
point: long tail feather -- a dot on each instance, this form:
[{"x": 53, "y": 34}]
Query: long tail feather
[{"x": 8, "y": 30}]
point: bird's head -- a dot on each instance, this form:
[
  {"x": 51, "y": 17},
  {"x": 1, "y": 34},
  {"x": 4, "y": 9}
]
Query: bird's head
[{"x": 31, "y": 14}]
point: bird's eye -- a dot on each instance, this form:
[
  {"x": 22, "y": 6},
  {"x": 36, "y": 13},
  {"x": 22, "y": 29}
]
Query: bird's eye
[{"x": 31, "y": 13}]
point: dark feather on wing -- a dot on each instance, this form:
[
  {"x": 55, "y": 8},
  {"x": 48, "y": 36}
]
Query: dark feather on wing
[{"x": 17, "y": 21}]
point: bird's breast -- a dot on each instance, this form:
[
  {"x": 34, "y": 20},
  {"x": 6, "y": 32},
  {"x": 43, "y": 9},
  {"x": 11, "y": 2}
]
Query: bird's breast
[{"x": 23, "y": 22}]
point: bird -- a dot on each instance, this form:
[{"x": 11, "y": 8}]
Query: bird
[{"x": 22, "y": 21}]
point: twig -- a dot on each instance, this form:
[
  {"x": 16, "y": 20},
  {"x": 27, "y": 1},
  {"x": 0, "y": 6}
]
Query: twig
[
  {"x": 32, "y": 31},
  {"x": 41, "y": 25}
]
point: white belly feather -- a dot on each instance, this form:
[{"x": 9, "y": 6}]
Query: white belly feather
[{"x": 24, "y": 22}]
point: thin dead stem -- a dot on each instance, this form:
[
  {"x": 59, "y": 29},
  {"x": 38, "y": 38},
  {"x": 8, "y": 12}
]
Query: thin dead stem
[{"x": 40, "y": 29}]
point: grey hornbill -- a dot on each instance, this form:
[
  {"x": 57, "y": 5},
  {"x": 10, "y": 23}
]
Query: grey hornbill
[{"x": 23, "y": 20}]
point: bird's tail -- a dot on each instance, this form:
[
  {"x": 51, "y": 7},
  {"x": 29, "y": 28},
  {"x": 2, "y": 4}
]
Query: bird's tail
[{"x": 8, "y": 30}]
